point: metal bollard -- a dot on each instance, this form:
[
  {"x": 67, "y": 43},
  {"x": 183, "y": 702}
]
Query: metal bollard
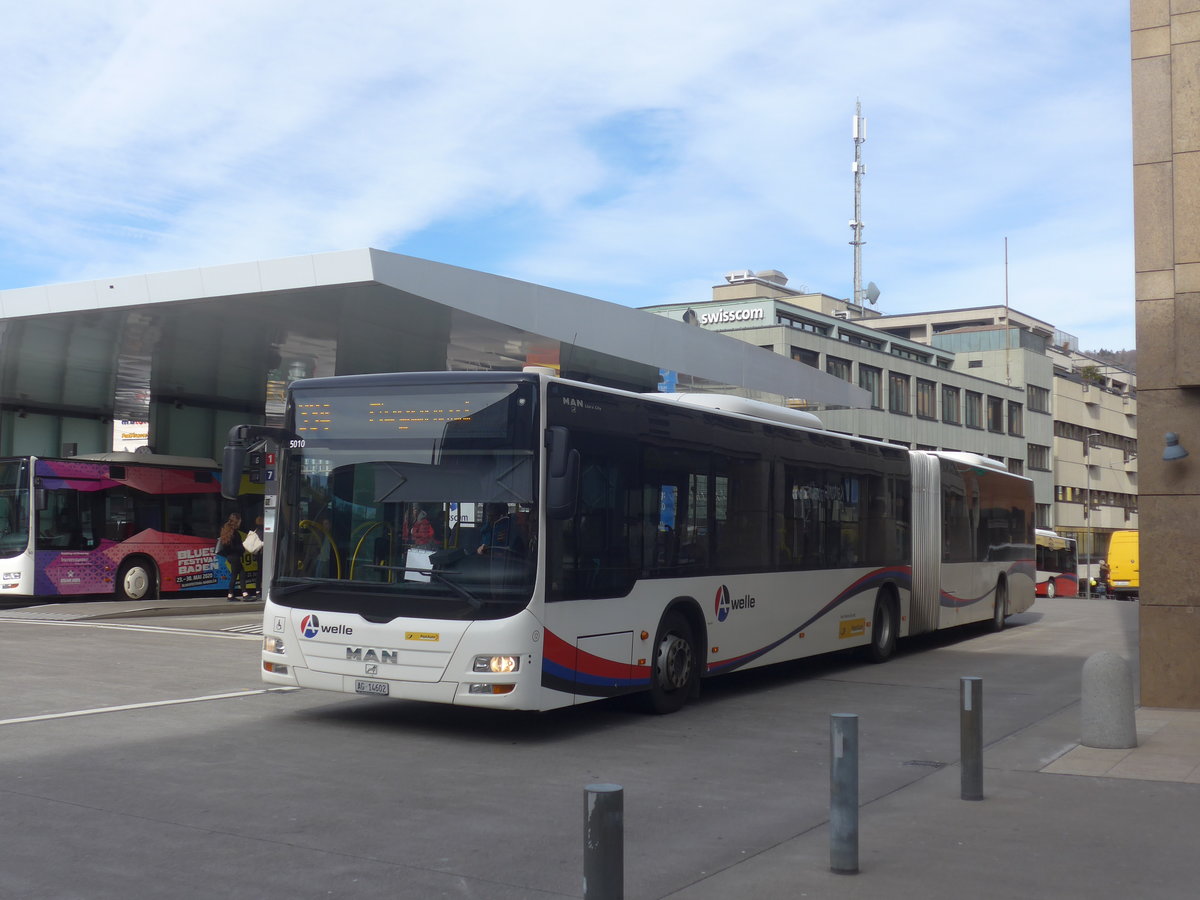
[
  {"x": 970, "y": 728},
  {"x": 843, "y": 793},
  {"x": 603, "y": 842}
]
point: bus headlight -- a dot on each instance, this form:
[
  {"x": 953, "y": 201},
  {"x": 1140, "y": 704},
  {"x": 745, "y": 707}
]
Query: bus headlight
[
  {"x": 498, "y": 664},
  {"x": 272, "y": 644}
]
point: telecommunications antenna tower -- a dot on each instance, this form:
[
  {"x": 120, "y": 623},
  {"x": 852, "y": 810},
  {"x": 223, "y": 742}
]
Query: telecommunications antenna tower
[{"x": 859, "y": 133}]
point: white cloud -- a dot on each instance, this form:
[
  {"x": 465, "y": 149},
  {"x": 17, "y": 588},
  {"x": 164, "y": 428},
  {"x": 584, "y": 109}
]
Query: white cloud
[{"x": 643, "y": 147}]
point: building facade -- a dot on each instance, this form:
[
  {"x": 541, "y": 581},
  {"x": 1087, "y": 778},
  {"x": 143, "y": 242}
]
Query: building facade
[
  {"x": 1165, "y": 45},
  {"x": 1091, "y": 406}
]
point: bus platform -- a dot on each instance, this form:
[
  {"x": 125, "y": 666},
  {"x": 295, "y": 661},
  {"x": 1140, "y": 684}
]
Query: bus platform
[
  {"x": 84, "y": 609},
  {"x": 1091, "y": 823},
  {"x": 1057, "y": 819}
]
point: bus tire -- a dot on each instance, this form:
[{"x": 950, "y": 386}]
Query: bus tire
[
  {"x": 1050, "y": 592},
  {"x": 1000, "y": 607},
  {"x": 674, "y": 669},
  {"x": 885, "y": 622},
  {"x": 136, "y": 580}
]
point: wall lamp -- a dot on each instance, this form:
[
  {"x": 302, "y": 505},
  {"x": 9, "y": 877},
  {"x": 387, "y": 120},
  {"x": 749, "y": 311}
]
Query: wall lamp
[{"x": 1173, "y": 450}]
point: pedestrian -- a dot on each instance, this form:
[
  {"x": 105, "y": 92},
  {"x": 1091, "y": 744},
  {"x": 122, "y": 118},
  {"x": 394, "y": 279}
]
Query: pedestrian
[
  {"x": 253, "y": 545},
  {"x": 229, "y": 546}
]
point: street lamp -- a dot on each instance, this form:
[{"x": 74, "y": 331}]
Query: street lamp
[{"x": 1087, "y": 512}]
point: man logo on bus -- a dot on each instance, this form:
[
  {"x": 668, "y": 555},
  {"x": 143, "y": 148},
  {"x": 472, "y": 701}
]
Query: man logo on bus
[
  {"x": 310, "y": 627},
  {"x": 722, "y": 603}
]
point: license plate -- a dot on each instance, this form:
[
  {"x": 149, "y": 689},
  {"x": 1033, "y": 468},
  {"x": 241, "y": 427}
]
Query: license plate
[{"x": 379, "y": 688}]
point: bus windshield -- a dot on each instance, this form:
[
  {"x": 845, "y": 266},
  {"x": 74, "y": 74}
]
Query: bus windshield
[
  {"x": 409, "y": 500},
  {"x": 14, "y": 507}
]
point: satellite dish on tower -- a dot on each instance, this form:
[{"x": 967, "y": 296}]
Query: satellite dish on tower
[{"x": 872, "y": 292}]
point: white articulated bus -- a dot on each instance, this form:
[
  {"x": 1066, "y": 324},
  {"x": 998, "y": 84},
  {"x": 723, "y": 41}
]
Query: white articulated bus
[{"x": 520, "y": 541}]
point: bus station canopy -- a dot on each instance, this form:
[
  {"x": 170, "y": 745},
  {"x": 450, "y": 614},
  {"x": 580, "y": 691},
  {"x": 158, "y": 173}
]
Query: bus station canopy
[{"x": 195, "y": 351}]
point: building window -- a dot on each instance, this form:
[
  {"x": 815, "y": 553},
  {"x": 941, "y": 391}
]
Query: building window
[
  {"x": 1038, "y": 457},
  {"x": 871, "y": 379},
  {"x": 1041, "y": 512},
  {"x": 1016, "y": 420},
  {"x": 974, "y": 410},
  {"x": 951, "y": 413},
  {"x": 1016, "y": 466},
  {"x": 974, "y": 363},
  {"x": 909, "y": 354},
  {"x": 858, "y": 340},
  {"x": 898, "y": 393},
  {"x": 838, "y": 368},
  {"x": 926, "y": 399},
  {"x": 802, "y": 324},
  {"x": 1038, "y": 397},
  {"x": 995, "y": 415},
  {"x": 808, "y": 357}
]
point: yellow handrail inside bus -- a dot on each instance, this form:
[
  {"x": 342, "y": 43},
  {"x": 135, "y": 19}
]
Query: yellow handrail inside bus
[
  {"x": 354, "y": 559},
  {"x": 317, "y": 526}
]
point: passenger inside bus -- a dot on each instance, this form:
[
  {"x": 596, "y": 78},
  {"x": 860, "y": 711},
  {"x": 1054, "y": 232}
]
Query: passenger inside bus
[
  {"x": 418, "y": 529},
  {"x": 500, "y": 532}
]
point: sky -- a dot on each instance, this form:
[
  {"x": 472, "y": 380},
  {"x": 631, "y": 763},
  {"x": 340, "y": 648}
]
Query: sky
[{"x": 630, "y": 151}]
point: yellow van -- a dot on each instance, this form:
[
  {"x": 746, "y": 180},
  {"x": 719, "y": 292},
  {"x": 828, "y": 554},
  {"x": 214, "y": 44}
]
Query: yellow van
[{"x": 1124, "y": 566}]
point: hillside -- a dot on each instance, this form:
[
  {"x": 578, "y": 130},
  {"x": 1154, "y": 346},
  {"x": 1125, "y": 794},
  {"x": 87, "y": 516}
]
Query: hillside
[{"x": 1126, "y": 359}]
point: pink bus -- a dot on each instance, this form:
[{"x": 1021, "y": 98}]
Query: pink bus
[{"x": 126, "y": 524}]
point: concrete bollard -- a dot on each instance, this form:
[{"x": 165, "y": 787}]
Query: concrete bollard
[
  {"x": 843, "y": 793},
  {"x": 603, "y": 842},
  {"x": 970, "y": 732},
  {"x": 1107, "y": 717}
]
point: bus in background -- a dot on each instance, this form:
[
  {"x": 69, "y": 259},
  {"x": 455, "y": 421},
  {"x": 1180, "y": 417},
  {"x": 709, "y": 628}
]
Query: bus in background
[
  {"x": 521, "y": 541},
  {"x": 1057, "y": 565},
  {"x": 1124, "y": 565},
  {"x": 128, "y": 524}
]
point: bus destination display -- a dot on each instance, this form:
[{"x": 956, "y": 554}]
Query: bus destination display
[{"x": 375, "y": 416}]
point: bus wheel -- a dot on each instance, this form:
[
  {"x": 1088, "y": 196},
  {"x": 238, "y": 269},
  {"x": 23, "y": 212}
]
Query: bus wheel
[
  {"x": 1050, "y": 588},
  {"x": 135, "y": 581},
  {"x": 1000, "y": 610},
  {"x": 674, "y": 671},
  {"x": 883, "y": 628}
]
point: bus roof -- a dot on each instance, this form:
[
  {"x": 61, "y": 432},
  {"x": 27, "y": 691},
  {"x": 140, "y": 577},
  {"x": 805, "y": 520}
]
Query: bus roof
[{"x": 149, "y": 459}]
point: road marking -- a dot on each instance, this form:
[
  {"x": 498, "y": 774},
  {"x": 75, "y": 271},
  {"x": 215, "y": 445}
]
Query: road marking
[
  {"x": 107, "y": 709},
  {"x": 255, "y": 628},
  {"x": 152, "y": 629}
]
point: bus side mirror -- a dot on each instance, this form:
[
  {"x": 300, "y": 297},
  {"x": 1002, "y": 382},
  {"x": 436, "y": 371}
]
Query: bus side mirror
[
  {"x": 233, "y": 462},
  {"x": 237, "y": 454},
  {"x": 562, "y": 482}
]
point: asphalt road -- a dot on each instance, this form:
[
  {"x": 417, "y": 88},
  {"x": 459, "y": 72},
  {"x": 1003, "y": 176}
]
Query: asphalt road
[{"x": 145, "y": 759}]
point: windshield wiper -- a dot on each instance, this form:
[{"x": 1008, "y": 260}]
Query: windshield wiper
[
  {"x": 437, "y": 576},
  {"x": 294, "y": 588}
]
